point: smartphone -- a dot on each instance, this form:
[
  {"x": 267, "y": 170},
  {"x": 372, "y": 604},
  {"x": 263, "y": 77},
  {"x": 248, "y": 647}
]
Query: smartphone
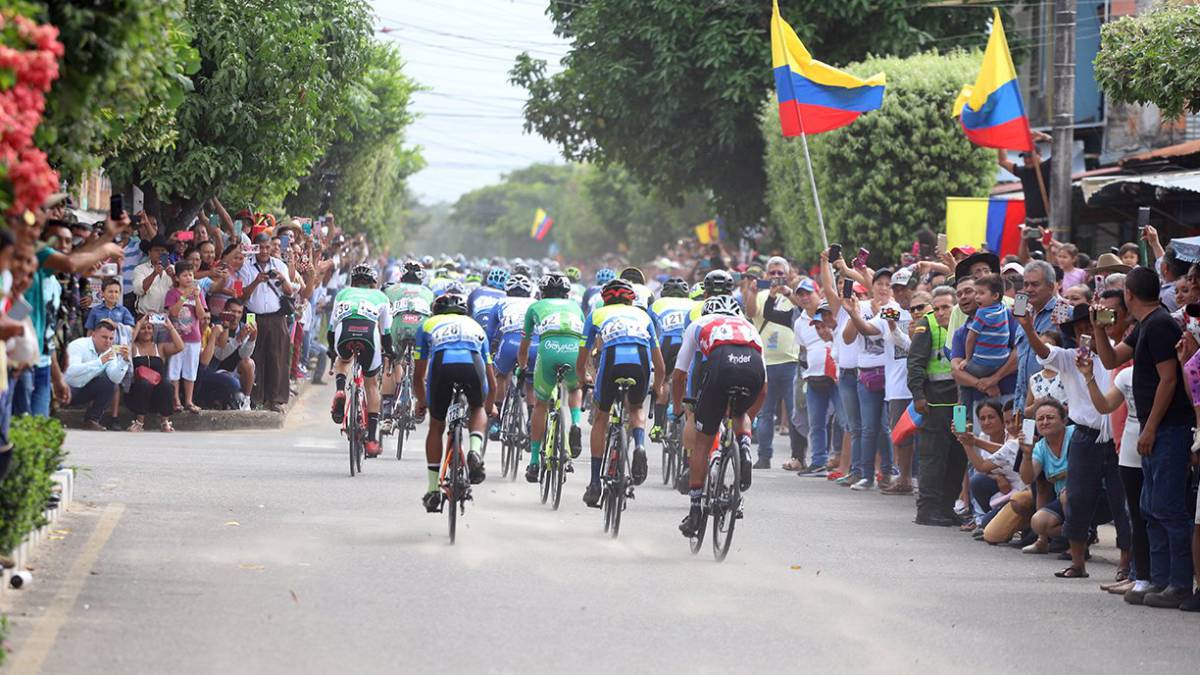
[
  {"x": 1085, "y": 344},
  {"x": 1028, "y": 430},
  {"x": 251, "y": 320},
  {"x": 835, "y": 252},
  {"x": 847, "y": 288},
  {"x": 108, "y": 270},
  {"x": 1143, "y": 220},
  {"x": 116, "y": 206},
  {"x": 1106, "y": 317},
  {"x": 212, "y": 220},
  {"x": 778, "y": 281},
  {"x": 960, "y": 419},
  {"x": 158, "y": 319},
  {"x": 1020, "y": 304},
  {"x": 226, "y": 316},
  {"x": 186, "y": 235},
  {"x": 890, "y": 314},
  {"x": 306, "y": 226},
  {"x": 20, "y": 309},
  {"x": 941, "y": 244},
  {"x": 284, "y": 242},
  {"x": 861, "y": 259},
  {"x": 763, "y": 284}
]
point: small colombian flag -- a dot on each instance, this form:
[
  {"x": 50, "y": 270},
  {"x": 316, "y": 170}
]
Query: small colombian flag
[
  {"x": 708, "y": 231},
  {"x": 541, "y": 225}
]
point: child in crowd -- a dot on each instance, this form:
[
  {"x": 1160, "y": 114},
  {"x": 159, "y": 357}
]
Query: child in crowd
[
  {"x": 1046, "y": 383},
  {"x": 186, "y": 306},
  {"x": 1066, "y": 257},
  {"x": 989, "y": 334},
  {"x": 111, "y": 308}
]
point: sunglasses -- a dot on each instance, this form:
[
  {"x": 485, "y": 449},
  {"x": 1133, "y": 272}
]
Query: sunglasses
[{"x": 918, "y": 307}]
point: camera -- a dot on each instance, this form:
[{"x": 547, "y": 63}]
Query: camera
[
  {"x": 158, "y": 319},
  {"x": 1106, "y": 317},
  {"x": 890, "y": 314}
]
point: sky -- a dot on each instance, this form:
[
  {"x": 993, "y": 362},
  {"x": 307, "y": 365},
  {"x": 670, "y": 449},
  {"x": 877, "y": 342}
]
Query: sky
[{"x": 470, "y": 126}]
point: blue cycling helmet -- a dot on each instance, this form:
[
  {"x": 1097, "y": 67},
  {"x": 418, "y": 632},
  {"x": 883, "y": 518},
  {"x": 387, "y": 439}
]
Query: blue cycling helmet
[
  {"x": 605, "y": 275},
  {"x": 497, "y": 278}
]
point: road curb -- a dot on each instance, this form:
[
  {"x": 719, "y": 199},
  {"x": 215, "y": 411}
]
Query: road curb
[{"x": 64, "y": 478}]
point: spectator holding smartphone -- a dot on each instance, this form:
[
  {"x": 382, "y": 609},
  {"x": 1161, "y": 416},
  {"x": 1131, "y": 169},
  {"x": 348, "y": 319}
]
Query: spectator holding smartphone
[
  {"x": 228, "y": 373},
  {"x": 151, "y": 390},
  {"x": 187, "y": 308},
  {"x": 152, "y": 279}
]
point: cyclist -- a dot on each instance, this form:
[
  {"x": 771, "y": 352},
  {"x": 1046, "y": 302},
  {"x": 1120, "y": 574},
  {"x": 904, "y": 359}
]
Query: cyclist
[
  {"x": 480, "y": 301},
  {"x": 452, "y": 349},
  {"x": 506, "y": 326},
  {"x": 732, "y": 350},
  {"x": 577, "y": 289},
  {"x": 362, "y": 315},
  {"x": 670, "y": 313},
  {"x": 557, "y": 323},
  {"x": 628, "y": 344},
  {"x": 472, "y": 280},
  {"x": 591, "y": 297},
  {"x": 443, "y": 277},
  {"x": 642, "y": 293},
  {"x": 412, "y": 303}
]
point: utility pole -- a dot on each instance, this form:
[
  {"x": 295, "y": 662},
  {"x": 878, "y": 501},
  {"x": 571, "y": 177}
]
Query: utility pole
[{"x": 1061, "y": 194}]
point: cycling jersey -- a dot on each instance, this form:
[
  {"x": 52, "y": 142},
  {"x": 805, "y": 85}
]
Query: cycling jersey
[
  {"x": 411, "y": 305},
  {"x": 643, "y": 296},
  {"x": 714, "y": 330},
  {"x": 671, "y": 317},
  {"x": 730, "y": 351},
  {"x": 591, "y": 299},
  {"x": 440, "y": 284},
  {"x": 479, "y": 305},
  {"x": 626, "y": 336},
  {"x": 359, "y": 314},
  {"x": 456, "y": 348},
  {"x": 576, "y": 294},
  {"x": 507, "y": 323},
  {"x": 557, "y": 324}
]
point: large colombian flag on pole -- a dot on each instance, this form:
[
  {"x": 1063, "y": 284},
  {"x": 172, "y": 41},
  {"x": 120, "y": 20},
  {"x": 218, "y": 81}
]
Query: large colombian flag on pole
[
  {"x": 813, "y": 96},
  {"x": 991, "y": 112},
  {"x": 541, "y": 225}
]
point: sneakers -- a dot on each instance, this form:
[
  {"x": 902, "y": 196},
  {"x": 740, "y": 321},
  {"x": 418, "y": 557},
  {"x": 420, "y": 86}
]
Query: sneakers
[
  {"x": 834, "y": 475},
  {"x": 591, "y": 496},
  {"x": 1192, "y": 604},
  {"x": 475, "y": 468},
  {"x": 338, "y": 409},
  {"x": 432, "y": 501},
  {"x": 656, "y": 433},
  {"x": 849, "y": 479},
  {"x": 372, "y": 448},
  {"x": 863, "y": 485},
  {"x": 639, "y": 466},
  {"x": 575, "y": 441},
  {"x": 813, "y": 472},
  {"x": 243, "y": 401},
  {"x": 1170, "y": 597},
  {"x": 747, "y": 472},
  {"x": 691, "y": 524},
  {"x": 531, "y": 473},
  {"x": 896, "y": 488}
]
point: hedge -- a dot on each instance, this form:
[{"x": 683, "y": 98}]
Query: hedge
[{"x": 37, "y": 454}]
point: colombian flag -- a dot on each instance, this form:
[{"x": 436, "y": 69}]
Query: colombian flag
[
  {"x": 813, "y": 96},
  {"x": 972, "y": 221},
  {"x": 541, "y": 225},
  {"x": 991, "y": 112},
  {"x": 708, "y": 231}
]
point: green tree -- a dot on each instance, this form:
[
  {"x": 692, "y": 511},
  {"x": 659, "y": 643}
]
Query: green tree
[
  {"x": 1153, "y": 58},
  {"x": 274, "y": 76},
  {"x": 888, "y": 174},
  {"x": 366, "y": 167},
  {"x": 672, "y": 89}
]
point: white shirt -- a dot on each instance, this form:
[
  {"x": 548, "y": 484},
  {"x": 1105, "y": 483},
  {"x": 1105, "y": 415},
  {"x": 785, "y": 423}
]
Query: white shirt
[
  {"x": 871, "y": 348},
  {"x": 1079, "y": 403},
  {"x": 847, "y": 354},
  {"x": 85, "y": 364},
  {"x": 150, "y": 301},
  {"x": 1004, "y": 458},
  {"x": 810, "y": 340},
  {"x": 895, "y": 356},
  {"x": 263, "y": 300},
  {"x": 1128, "y": 455}
]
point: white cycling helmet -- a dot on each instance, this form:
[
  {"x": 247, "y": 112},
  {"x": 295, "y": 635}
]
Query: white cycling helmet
[{"x": 722, "y": 304}]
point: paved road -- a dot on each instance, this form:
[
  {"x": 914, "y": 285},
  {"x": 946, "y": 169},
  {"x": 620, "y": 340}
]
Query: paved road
[{"x": 256, "y": 552}]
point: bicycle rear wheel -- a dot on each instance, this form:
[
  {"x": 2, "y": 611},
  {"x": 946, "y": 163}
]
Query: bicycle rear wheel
[
  {"x": 727, "y": 500},
  {"x": 620, "y": 485},
  {"x": 403, "y": 418},
  {"x": 361, "y": 427},
  {"x": 545, "y": 464},
  {"x": 452, "y": 495},
  {"x": 352, "y": 432},
  {"x": 559, "y": 458},
  {"x": 606, "y": 494}
]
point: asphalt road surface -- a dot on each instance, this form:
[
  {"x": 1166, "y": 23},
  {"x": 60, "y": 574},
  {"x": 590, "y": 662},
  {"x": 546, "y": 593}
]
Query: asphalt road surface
[{"x": 256, "y": 552}]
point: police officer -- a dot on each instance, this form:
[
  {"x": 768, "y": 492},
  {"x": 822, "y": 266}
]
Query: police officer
[{"x": 935, "y": 394}]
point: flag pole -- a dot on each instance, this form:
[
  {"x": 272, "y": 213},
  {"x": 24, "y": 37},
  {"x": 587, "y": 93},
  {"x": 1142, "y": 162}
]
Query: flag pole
[{"x": 812, "y": 179}]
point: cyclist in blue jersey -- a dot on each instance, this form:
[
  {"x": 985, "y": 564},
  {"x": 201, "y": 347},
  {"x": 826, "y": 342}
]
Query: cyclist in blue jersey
[
  {"x": 670, "y": 313},
  {"x": 628, "y": 344},
  {"x": 591, "y": 297},
  {"x": 506, "y": 326},
  {"x": 480, "y": 301},
  {"x": 452, "y": 349}
]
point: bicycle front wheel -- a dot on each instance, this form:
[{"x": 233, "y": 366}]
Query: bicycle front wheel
[
  {"x": 620, "y": 485},
  {"x": 352, "y": 433},
  {"x": 545, "y": 470},
  {"x": 559, "y": 458},
  {"x": 452, "y": 489},
  {"x": 726, "y": 503}
]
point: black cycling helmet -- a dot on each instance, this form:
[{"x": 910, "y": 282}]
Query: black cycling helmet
[
  {"x": 413, "y": 273},
  {"x": 718, "y": 282},
  {"x": 633, "y": 275},
  {"x": 450, "y": 303},
  {"x": 521, "y": 269},
  {"x": 618, "y": 291},
  {"x": 674, "y": 287},
  {"x": 555, "y": 285},
  {"x": 364, "y": 274}
]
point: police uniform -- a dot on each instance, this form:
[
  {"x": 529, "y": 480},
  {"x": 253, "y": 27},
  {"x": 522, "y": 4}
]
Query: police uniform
[{"x": 941, "y": 458}]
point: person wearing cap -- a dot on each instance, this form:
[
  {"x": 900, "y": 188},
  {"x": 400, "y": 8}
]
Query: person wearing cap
[
  {"x": 1012, "y": 272},
  {"x": 1092, "y": 471},
  {"x": 95, "y": 366},
  {"x": 152, "y": 279},
  {"x": 805, "y": 301},
  {"x": 779, "y": 355},
  {"x": 813, "y": 328},
  {"x": 265, "y": 282},
  {"x": 896, "y": 342}
]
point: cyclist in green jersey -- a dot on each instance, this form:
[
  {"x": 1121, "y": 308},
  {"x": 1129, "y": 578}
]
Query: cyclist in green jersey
[
  {"x": 558, "y": 322},
  {"x": 360, "y": 315},
  {"x": 411, "y": 303}
]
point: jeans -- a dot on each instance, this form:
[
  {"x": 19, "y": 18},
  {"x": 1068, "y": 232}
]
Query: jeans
[
  {"x": 848, "y": 391},
  {"x": 983, "y": 487},
  {"x": 1165, "y": 509},
  {"x": 876, "y": 437},
  {"x": 821, "y": 400},
  {"x": 1091, "y": 476},
  {"x": 98, "y": 394},
  {"x": 779, "y": 388},
  {"x": 31, "y": 392},
  {"x": 1131, "y": 479}
]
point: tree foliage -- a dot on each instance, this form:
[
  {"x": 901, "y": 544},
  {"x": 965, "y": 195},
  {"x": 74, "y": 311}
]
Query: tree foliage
[
  {"x": 672, "y": 89},
  {"x": 1153, "y": 58},
  {"x": 888, "y": 174}
]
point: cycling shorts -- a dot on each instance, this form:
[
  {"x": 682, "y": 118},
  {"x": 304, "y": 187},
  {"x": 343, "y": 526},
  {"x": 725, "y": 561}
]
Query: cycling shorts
[
  {"x": 727, "y": 366},
  {"x": 506, "y": 354},
  {"x": 670, "y": 350},
  {"x": 632, "y": 361},
  {"x": 441, "y": 378},
  {"x": 363, "y": 333},
  {"x": 555, "y": 350}
]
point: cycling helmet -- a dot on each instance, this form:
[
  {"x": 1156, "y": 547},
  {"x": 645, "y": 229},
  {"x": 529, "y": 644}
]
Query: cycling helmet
[
  {"x": 633, "y": 275},
  {"x": 519, "y": 286},
  {"x": 618, "y": 291},
  {"x": 674, "y": 288},
  {"x": 450, "y": 303},
  {"x": 427, "y": 261},
  {"x": 722, "y": 304},
  {"x": 718, "y": 282},
  {"x": 413, "y": 273},
  {"x": 555, "y": 285},
  {"x": 364, "y": 274},
  {"x": 473, "y": 277},
  {"x": 455, "y": 288},
  {"x": 441, "y": 273},
  {"x": 605, "y": 275},
  {"x": 497, "y": 278},
  {"x": 521, "y": 269},
  {"x": 573, "y": 273},
  {"x": 697, "y": 291}
]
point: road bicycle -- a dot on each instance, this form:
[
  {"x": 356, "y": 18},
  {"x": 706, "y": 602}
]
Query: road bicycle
[
  {"x": 616, "y": 484},
  {"x": 722, "y": 497},
  {"x": 554, "y": 464},
  {"x": 514, "y": 430},
  {"x": 674, "y": 459},
  {"x": 453, "y": 480},
  {"x": 354, "y": 415},
  {"x": 402, "y": 419}
]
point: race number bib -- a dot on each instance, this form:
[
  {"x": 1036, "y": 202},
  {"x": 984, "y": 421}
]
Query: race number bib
[
  {"x": 621, "y": 327},
  {"x": 672, "y": 321},
  {"x": 445, "y": 334}
]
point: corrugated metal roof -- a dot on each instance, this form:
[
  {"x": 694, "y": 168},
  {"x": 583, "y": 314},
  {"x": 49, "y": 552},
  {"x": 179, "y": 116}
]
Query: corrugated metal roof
[{"x": 1187, "y": 181}]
